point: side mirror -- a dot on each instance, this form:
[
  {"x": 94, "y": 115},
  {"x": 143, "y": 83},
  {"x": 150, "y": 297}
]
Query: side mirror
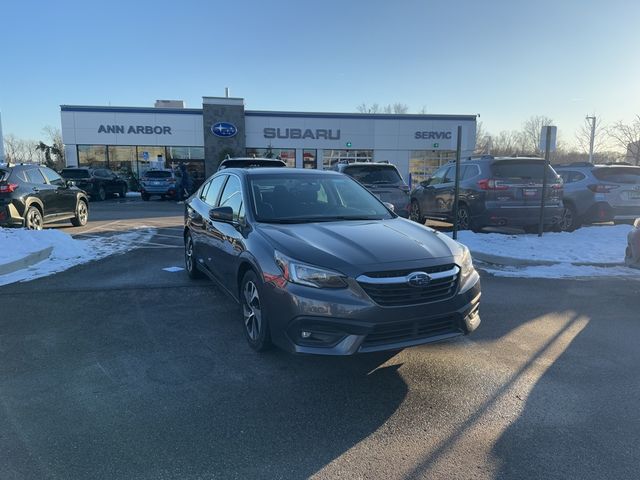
[
  {"x": 70, "y": 183},
  {"x": 390, "y": 206},
  {"x": 221, "y": 214},
  {"x": 637, "y": 223},
  {"x": 425, "y": 183}
]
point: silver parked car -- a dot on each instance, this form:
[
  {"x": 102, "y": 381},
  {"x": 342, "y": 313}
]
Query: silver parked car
[{"x": 599, "y": 193}]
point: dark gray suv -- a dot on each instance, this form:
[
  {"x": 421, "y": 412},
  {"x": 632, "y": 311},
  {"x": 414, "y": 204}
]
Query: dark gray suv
[
  {"x": 494, "y": 191},
  {"x": 320, "y": 265}
]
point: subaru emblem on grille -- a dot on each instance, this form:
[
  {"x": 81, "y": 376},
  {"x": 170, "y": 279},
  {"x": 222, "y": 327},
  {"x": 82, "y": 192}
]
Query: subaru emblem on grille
[{"x": 418, "y": 279}]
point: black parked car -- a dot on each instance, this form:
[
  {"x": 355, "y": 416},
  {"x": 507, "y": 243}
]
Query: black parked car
[
  {"x": 494, "y": 191},
  {"x": 381, "y": 179},
  {"x": 99, "y": 183},
  {"x": 31, "y": 195},
  {"x": 320, "y": 265}
]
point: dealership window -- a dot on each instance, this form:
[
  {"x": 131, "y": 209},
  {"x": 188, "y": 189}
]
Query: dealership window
[
  {"x": 422, "y": 163},
  {"x": 286, "y": 154},
  {"x": 192, "y": 158},
  {"x": 310, "y": 158},
  {"x": 185, "y": 153},
  {"x": 152, "y": 159},
  {"x": 92, "y": 156},
  {"x": 332, "y": 157},
  {"x": 122, "y": 159}
]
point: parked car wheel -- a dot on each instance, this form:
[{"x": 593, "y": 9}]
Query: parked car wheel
[
  {"x": 415, "y": 214},
  {"x": 33, "y": 219},
  {"x": 102, "y": 194},
  {"x": 256, "y": 326},
  {"x": 145, "y": 197},
  {"x": 570, "y": 220},
  {"x": 190, "y": 258},
  {"x": 82, "y": 214},
  {"x": 464, "y": 218}
]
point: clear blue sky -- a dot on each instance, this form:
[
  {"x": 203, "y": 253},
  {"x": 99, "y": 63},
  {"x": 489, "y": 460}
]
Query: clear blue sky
[{"x": 506, "y": 60}]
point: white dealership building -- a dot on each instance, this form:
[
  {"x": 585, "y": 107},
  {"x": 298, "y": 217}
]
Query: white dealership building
[{"x": 130, "y": 139}]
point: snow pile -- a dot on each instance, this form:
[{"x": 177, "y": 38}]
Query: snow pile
[
  {"x": 597, "y": 245},
  {"x": 67, "y": 251},
  {"x": 596, "y": 251}
]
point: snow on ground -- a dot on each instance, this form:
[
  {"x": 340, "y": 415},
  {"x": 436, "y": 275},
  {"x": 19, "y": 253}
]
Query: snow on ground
[
  {"x": 597, "y": 244},
  {"x": 602, "y": 246},
  {"x": 133, "y": 195},
  {"x": 15, "y": 243}
]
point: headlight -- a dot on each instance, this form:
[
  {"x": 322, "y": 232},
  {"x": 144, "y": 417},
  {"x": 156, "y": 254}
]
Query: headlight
[
  {"x": 465, "y": 262},
  {"x": 303, "y": 274}
]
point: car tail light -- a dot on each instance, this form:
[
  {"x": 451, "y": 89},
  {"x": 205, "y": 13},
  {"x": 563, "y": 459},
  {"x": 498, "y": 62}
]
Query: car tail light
[
  {"x": 602, "y": 188},
  {"x": 491, "y": 184},
  {"x": 8, "y": 187}
]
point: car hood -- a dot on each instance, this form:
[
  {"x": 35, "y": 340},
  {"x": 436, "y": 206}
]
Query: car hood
[{"x": 353, "y": 247}]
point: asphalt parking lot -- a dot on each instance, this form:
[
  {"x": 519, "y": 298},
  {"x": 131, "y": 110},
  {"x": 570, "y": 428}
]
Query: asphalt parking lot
[{"x": 120, "y": 369}]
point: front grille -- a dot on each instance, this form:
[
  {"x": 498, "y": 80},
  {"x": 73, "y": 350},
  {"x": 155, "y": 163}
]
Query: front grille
[
  {"x": 406, "y": 331},
  {"x": 389, "y": 293},
  {"x": 407, "y": 271}
]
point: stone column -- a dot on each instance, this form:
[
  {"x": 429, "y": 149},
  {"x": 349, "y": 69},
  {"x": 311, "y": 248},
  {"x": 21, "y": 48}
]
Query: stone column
[{"x": 224, "y": 130}]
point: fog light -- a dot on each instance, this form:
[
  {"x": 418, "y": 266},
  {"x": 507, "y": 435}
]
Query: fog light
[{"x": 304, "y": 334}]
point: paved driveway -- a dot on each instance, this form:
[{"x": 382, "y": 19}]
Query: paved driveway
[{"x": 120, "y": 369}]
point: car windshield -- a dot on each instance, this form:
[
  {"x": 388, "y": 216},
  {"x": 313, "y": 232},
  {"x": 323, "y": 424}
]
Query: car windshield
[
  {"x": 157, "y": 174},
  {"x": 522, "y": 170},
  {"x": 373, "y": 174},
  {"x": 75, "y": 173},
  {"x": 299, "y": 198},
  {"x": 618, "y": 174}
]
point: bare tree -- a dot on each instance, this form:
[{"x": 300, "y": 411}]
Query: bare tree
[
  {"x": 397, "y": 108},
  {"x": 57, "y": 147},
  {"x": 483, "y": 140},
  {"x": 531, "y": 129},
  {"x": 13, "y": 148},
  {"x": 508, "y": 142},
  {"x": 583, "y": 136},
  {"x": 364, "y": 108},
  {"x": 423, "y": 110},
  {"x": 626, "y": 136}
]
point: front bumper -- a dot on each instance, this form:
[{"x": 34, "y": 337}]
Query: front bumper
[{"x": 346, "y": 322}]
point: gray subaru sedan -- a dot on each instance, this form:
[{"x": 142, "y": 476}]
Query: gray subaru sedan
[{"x": 320, "y": 265}]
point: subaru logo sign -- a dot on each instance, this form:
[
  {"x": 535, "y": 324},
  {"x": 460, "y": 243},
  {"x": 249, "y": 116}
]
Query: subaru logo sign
[
  {"x": 418, "y": 279},
  {"x": 224, "y": 129}
]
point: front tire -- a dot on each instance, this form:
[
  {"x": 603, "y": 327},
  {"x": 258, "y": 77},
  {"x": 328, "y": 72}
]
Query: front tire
[
  {"x": 33, "y": 219},
  {"x": 82, "y": 214},
  {"x": 190, "y": 258},
  {"x": 256, "y": 325}
]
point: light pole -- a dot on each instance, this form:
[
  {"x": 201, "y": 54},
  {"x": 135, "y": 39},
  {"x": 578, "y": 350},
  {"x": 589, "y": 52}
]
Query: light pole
[{"x": 592, "y": 137}]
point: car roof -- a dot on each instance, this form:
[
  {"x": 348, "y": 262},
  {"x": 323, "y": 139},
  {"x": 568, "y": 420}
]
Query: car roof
[
  {"x": 366, "y": 164},
  {"x": 265, "y": 171}
]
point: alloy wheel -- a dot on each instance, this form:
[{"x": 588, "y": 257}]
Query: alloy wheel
[
  {"x": 188, "y": 254},
  {"x": 34, "y": 219},
  {"x": 566, "y": 223},
  {"x": 463, "y": 218},
  {"x": 252, "y": 311},
  {"x": 414, "y": 212},
  {"x": 82, "y": 213}
]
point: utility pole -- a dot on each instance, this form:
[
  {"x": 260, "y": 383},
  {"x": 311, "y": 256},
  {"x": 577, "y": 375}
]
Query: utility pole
[{"x": 592, "y": 137}]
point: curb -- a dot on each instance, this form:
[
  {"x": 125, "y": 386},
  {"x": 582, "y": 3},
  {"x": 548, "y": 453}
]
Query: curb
[
  {"x": 520, "y": 262},
  {"x": 26, "y": 261}
]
